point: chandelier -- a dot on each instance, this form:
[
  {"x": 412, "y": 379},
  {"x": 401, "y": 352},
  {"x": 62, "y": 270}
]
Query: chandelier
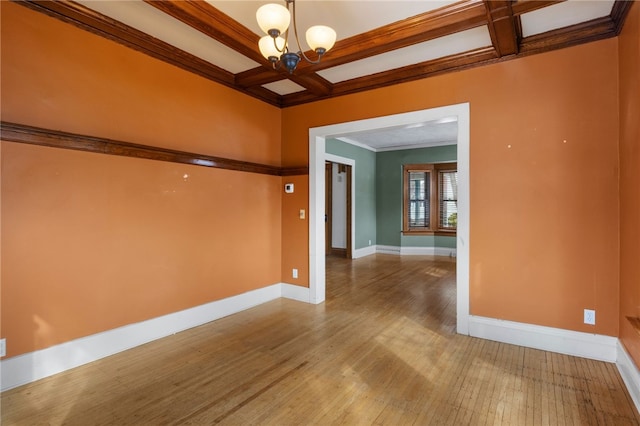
[{"x": 274, "y": 20}]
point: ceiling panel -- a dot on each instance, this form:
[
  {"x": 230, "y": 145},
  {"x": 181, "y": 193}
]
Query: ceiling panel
[
  {"x": 418, "y": 135},
  {"x": 283, "y": 87},
  {"x": 464, "y": 41},
  {"x": 563, "y": 15},
  {"x": 379, "y": 43},
  {"x": 150, "y": 20},
  {"x": 347, "y": 17}
]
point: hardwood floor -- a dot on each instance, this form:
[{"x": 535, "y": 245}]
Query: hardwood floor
[{"x": 381, "y": 350}]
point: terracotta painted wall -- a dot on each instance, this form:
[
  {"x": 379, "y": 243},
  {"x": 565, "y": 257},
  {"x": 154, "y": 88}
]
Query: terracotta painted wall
[
  {"x": 540, "y": 254},
  {"x": 91, "y": 242},
  {"x": 544, "y": 179},
  {"x": 629, "y": 45},
  {"x": 295, "y": 230}
]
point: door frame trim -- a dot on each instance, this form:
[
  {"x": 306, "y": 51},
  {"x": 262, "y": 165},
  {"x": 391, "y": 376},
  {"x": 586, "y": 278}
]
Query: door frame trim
[
  {"x": 352, "y": 213},
  {"x": 317, "y": 138}
]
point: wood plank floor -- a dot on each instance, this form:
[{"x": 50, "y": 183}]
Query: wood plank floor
[{"x": 381, "y": 350}]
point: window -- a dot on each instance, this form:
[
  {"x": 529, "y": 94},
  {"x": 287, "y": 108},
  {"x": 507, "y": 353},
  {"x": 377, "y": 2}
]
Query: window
[
  {"x": 448, "y": 199},
  {"x": 419, "y": 199},
  {"x": 430, "y": 199}
]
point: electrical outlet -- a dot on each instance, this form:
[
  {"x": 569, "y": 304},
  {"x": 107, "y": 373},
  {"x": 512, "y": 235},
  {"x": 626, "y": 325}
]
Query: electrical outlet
[
  {"x": 3, "y": 347},
  {"x": 294, "y": 273},
  {"x": 590, "y": 316}
]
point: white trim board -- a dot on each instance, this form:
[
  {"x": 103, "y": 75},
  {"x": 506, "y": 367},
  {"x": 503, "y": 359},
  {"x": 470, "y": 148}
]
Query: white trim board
[
  {"x": 295, "y": 292},
  {"x": 585, "y": 345},
  {"x": 364, "y": 251},
  {"x": 43, "y": 363},
  {"x": 630, "y": 374},
  {"x": 404, "y": 251},
  {"x": 575, "y": 343},
  {"x": 424, "y": 251},
  {"x": 27, "y": 368},
  {"x": 317, "y": 145}
]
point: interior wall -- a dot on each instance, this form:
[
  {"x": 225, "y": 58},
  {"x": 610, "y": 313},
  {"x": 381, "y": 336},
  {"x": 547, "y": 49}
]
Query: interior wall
[
  {"x": 389, "y": 183},
  {"x": 629, "y": 46},
  {"x": 364, "y": 197},
  {"x": 543, "y": 170},
  {"x": 294, "y": 229},
  {"x": 546, "y": 237},
  {"x": 91, "y": 242}
]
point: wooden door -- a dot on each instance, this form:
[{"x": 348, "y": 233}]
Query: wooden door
[{"x": 328, "y": 179}]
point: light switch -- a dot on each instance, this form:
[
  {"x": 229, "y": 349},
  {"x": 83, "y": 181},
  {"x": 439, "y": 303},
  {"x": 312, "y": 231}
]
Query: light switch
[{"x": 302, "y": 214}]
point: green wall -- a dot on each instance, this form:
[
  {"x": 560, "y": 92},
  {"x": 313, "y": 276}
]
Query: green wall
[
  {"x": 365, "y": 189},
  {"x": 378, "y": 193},
  {"x": 389, "y": 195}
]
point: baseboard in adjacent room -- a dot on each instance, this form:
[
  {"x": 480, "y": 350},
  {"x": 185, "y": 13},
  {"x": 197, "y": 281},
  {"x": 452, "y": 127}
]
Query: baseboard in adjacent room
[
  {"x": 364, "y": 251},
  {"x": 428, "y": 251},
  {"x": 405, "y": 251},
  {"x": 387, "y": 249},
  {"x": 340, "y": 252}
]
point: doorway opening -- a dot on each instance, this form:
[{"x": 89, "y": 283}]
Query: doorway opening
[
  {"x": 338, "y": 202},
  {"x": 317, "y": 158}
]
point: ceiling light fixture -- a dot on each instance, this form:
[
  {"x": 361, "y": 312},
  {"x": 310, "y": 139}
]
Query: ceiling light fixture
[{"x": 274, "y": 20}]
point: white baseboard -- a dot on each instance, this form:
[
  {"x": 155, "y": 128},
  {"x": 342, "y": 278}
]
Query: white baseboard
[
  {"x": 585, "y": 345},
  {"x": 406, "y": 251},
  {"x": 364, "y": 251},
  {"x": 23, "y": 369},
  {"x": 295, "y": 292},
  {"x": 387, "y": 249},
  {"x": 630, "y": 374},
  {"x": 428, "y": 251},
  {"x": 26, "y": 368}
]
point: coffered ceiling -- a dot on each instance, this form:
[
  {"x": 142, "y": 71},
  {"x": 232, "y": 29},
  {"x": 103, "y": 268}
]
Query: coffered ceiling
[{"x": 379, "y": 42}]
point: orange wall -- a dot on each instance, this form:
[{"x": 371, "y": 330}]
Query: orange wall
[
  {"x": 76, "y": 260},
  {"x": 296, "y": 230},
  {"x": 59, "y": 77},
  {"x": 544, "y": 211},
  {"x": 91, "y": 242},
  {"x": 629, "y": 45}
]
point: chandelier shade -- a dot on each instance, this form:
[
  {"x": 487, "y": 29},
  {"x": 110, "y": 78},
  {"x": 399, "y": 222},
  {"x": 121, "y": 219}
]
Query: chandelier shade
[
  {"x": 274, "y": 20},
  {"x": 271, "y": 48},
  {"x": 321, "y": 37}
]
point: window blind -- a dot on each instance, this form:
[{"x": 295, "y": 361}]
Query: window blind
[
  {"x": 448, "y": 199},
  {"x": 419, "y": 198}
]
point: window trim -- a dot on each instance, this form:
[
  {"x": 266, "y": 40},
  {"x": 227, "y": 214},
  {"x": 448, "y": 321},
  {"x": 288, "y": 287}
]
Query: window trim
[{"x": 434, "y": 200}]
